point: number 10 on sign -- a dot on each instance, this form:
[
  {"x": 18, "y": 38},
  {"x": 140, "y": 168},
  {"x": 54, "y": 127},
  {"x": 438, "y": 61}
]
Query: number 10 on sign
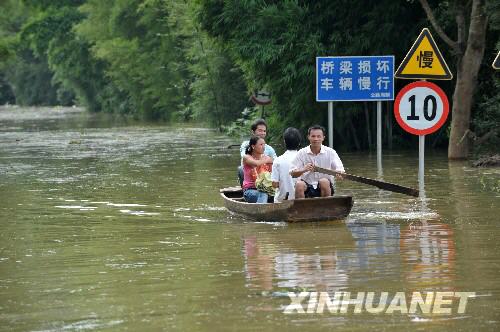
[{"x": 421, "y": 108}]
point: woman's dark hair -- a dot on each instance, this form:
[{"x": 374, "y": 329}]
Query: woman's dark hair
[
  {"x": 292, "y": 138},
  {"x": 316, "y": 127},
  {"x": 253, "y": 141}
]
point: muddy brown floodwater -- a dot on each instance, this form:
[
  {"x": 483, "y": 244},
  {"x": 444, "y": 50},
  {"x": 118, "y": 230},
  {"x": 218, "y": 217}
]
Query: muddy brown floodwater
[{"x": 115, "y": 226}]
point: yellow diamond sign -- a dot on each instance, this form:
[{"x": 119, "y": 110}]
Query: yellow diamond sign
[
  {"x": 424, "y": 60},
  {"x": 496, "y": 62}
]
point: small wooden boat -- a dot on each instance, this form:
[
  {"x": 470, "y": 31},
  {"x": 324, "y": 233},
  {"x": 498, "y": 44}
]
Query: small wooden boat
[{"x": 308, "y": 209}]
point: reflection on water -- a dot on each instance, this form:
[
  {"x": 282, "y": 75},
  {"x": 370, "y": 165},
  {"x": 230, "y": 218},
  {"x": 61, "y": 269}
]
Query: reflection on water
[
  {"x": 428, "y": 251},
  {"x": 270, "y": 265},
  {"x": 423, "y": 255},
  {"x": 111, "y": 225}
]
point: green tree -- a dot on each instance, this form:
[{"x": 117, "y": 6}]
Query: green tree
[
  {"x": 24, "y": 78},
  {"x": 144, "y": 61},
  {"x": 471, "y": 22},
  {"x": 219, "y": 92},
  {"x": 275, "y": 43},
  {"x": 50, "y": 34}
]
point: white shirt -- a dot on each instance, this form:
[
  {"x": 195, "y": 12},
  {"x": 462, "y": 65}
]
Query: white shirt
[
  {"x": 281, "y": 174},
  {"x": 326, "y": 158}
]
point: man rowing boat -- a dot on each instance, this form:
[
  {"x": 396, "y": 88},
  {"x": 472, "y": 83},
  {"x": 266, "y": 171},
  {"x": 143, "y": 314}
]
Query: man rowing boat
[{"x": 313, "y": 184}]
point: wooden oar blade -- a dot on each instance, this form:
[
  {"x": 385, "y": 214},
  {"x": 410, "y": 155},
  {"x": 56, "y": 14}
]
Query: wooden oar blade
[
  {"x": 379, "y": 184},
  {"x": 384, "y": 185}
]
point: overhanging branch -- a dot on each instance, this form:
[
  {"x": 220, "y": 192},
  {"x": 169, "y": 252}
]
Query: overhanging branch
[{"x": 430, "y": 15}]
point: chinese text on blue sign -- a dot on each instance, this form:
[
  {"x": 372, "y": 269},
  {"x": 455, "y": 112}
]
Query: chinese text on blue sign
[{"x": 355, "y": 78}]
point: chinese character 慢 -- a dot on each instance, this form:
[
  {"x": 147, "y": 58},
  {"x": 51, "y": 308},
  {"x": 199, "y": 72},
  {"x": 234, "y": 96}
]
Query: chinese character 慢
[
  {"x": 425, "y": 59},
  {"x": 345, "y": 83},
  {"x": 364, "y": 83},
  {"x": 364, "y": 67},
  {"x": 383, "y": 81},
  {"x": 345, "y": 67},
  {"x": 383, "y": 66},
  {"x": 327, "y": 83},
  {"x": 327, "y": 67}
]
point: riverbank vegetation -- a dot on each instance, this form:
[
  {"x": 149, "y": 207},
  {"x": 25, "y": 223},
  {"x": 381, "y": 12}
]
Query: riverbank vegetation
[{"x": 200, "y": 60}]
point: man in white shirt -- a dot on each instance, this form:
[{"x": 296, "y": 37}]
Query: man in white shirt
[
  {"x": 313, "y": 184},
  {"x": 282, "y": 180}
]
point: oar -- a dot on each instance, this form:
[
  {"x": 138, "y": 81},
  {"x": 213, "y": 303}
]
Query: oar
[{"x": 379, "y": 184}]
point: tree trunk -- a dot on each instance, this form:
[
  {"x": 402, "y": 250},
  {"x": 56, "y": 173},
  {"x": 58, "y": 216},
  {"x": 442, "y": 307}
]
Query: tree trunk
[
  {"x": 469, "y": 53},
  {"x": 467, "y": 71}
]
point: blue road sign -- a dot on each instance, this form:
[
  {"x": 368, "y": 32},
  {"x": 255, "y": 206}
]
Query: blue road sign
[{"x": 355, "y": 78}]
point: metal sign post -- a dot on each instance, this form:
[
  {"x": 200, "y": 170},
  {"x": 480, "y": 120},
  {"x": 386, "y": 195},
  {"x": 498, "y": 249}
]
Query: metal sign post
[
  {"x": 379, "y": 138},
  {"x": 421, "y": 108},
  {"x": 330, "y": 124},
  {"x": 421, "y": 163}
]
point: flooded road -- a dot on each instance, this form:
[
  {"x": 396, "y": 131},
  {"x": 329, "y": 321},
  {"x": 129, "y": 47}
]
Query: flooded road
[{"x": 107, "y": 225}]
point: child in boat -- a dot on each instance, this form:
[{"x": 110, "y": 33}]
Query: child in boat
[
  {"x": 254, "y": 163},
  {"x": 282, "y": 180}
]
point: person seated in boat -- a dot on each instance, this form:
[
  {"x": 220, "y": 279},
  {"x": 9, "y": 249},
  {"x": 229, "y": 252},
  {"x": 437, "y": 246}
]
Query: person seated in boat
[
  {"x": 310, "y": 183},
  {"x": 259, "y": 129},
  {"x": 255, "y": 162},
  {"x": 282, "y": 180}
]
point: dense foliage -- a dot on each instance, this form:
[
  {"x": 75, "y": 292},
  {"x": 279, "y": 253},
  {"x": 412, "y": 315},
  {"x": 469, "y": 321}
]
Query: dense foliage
[{"x": 201, "y": 59}]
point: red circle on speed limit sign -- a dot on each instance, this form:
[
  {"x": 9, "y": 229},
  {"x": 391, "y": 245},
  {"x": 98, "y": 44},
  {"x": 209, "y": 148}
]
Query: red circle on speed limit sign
[{"x": 421, "y": 108}]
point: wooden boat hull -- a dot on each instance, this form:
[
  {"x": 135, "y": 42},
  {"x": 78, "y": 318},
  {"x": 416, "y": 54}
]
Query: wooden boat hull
[{"x": 309, "y": 209}]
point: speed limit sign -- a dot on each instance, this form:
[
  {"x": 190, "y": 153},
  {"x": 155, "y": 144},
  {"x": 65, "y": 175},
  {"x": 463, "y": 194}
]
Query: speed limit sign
[{"x": 421, "y": 108}]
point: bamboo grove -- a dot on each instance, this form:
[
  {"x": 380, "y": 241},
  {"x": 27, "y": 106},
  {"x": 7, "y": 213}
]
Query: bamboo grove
[{"x": 200, "y": 60}]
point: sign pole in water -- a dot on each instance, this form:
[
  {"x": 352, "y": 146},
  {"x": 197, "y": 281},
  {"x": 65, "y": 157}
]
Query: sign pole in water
[
  {"x": 421, "y": 108},
  {"x": 421, "y": 164},
  {"x": 379, "y": 138},
  {"x": 354, "y": 78},
  {"x": 330, "y": 124}
]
